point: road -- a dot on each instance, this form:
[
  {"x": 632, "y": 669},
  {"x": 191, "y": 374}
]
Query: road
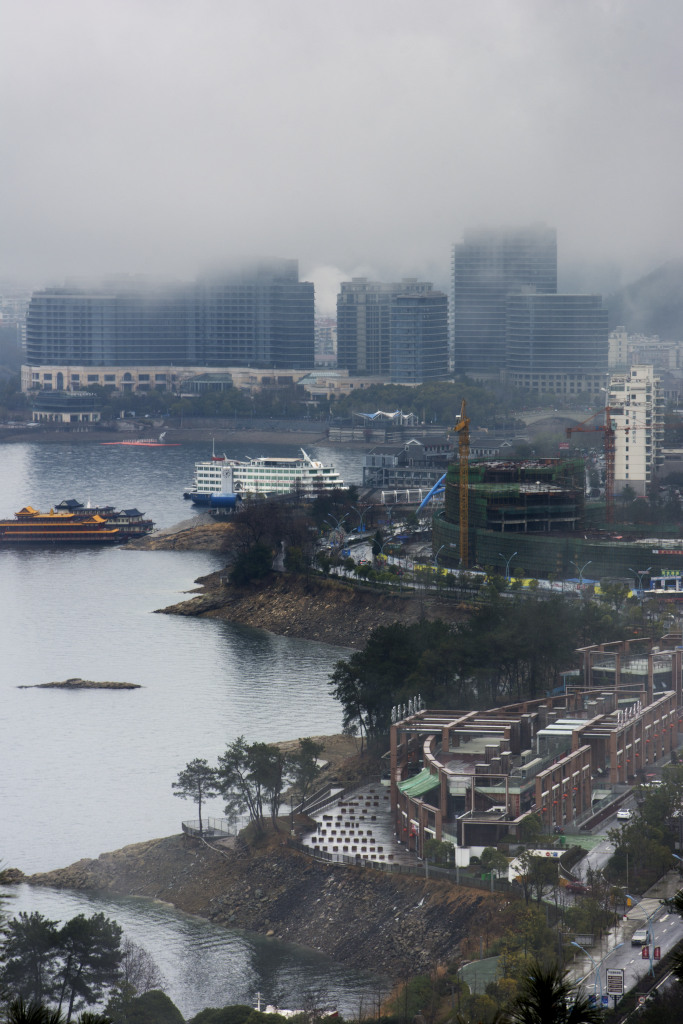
[
  {"x": 616, "y": 950},
  {"x": 667, "y": 929}
]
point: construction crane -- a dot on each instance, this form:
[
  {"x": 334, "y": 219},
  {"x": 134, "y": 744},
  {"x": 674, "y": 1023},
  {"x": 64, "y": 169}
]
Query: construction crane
[
  {"x": 608, "y": 432},
  {"x": 462, "y": 429}
]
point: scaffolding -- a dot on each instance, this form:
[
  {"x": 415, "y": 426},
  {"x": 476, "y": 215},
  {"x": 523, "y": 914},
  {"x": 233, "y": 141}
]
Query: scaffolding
[{"x": 536, "y": 497}]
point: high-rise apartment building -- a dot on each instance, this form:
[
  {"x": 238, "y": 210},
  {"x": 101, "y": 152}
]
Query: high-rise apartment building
[
  {"x": 397, "y": 331},
  {"x": 259, "y": 316},
  {"x": 419, "y": 338},
  {"x": 262, "y": 315},
  {"x": 556, "y": 343},
  {"x": 364, "y": 326},
  {"x": 618, "y": 355},
  {"x": 487, "y": 266},
  {"x": 637, "y": 413}
]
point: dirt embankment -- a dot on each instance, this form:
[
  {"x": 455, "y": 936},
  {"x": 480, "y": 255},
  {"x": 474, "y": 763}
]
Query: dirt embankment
[
  {"x": 397, "y": 924},
  {"x": 311, "y": 608}
]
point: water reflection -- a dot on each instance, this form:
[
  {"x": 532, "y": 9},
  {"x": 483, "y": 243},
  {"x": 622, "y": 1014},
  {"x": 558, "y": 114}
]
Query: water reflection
[{"x": 205, "y": 965}]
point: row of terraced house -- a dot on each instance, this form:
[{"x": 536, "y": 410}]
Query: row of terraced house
[{"x": 471, "y": 777}]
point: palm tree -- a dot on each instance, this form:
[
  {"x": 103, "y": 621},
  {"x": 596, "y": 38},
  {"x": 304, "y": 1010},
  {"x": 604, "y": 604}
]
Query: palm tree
[
  {"x": 33, "y": 1012},
  {"x": 546, "y": 997},
  {"x": 21, "y": 1011}
]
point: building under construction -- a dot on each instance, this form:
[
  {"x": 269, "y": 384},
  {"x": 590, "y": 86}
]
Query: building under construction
[{"x": 530, "y": 515}]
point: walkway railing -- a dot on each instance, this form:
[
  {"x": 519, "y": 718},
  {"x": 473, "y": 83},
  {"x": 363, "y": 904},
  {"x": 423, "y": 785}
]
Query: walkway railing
[{"x": 212, "y": 828}]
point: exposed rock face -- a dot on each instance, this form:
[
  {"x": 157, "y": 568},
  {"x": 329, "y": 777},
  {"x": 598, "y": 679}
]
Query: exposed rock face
[
  {"x": 311, "y": 608},
  {"x": 398, "y": 924},
  {"x": 201, "y": 533}
]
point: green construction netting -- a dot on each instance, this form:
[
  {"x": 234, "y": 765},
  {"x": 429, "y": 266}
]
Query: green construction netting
[{"x": 419, "y": 784}]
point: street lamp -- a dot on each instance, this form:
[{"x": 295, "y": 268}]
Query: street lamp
[
  {"x": 362, "y": 517},
  {"x": 338, "y": 524},
  {"x": 598, "y": 977},
  {"x": 507, "y": 563},
  {"x": 640, "y": 573},
  {"x": 436, "y": 556},
  {"x": 580, "y": 570}
]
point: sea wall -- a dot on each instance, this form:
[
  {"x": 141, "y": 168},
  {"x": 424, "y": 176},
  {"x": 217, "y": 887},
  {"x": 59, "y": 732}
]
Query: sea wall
[{"x": 401, "y": 925}]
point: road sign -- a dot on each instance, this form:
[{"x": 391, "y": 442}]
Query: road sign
[
  {"x": 615, "y": 981},
  {"x": 645, "y": 952},
  {"x": 605, "y": 1000},
  {"x": 657, "y": 953}
]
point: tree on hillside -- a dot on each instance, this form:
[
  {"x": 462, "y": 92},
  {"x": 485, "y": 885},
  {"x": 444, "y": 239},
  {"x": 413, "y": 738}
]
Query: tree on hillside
[
  {"x": 536, "y": 875},
  {"x": 237, "y": 784},
  {"x": 90, "y": 960},
  {"x": 546, "y": 997},
  {"x": 138, "y": 974},
  {"x": 493, "y": 860},
  {"x": 197, "y": 781},
  {"x": 29, "y": 956},
  {"x": 237, "y": 1013},
  {"x": 254, "y": 563},
  {"x": 268, "y": 766},
  {"x": 397, "y": 663},
  {"x": 645, "y": 845},
  {"x": 139, "y": 968},
  {"x": 303, "y": 766},
  {"x": 152, "y": 1007},
  {"x": 529, "y": 828}
]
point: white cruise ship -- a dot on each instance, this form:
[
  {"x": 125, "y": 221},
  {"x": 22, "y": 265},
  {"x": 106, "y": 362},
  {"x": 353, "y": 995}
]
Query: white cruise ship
[{"x": 223, "y": 476}]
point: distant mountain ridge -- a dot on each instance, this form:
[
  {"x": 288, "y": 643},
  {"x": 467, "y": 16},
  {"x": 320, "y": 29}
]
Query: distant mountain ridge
[{"x": 651, "y": 305}]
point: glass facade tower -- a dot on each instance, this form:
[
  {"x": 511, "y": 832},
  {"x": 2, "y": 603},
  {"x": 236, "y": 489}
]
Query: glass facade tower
[
  {"x": 260, "y": 316},
  {"x": 556, "y": 342},
  {"x": 487, "y": 266}
]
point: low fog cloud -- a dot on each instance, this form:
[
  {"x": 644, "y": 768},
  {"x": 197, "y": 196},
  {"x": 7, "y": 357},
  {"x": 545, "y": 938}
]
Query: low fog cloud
[{"x": 158, "y": 136}]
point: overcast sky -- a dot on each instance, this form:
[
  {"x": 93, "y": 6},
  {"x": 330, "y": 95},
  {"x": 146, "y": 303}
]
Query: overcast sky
[{"x": 159, "y": 136}]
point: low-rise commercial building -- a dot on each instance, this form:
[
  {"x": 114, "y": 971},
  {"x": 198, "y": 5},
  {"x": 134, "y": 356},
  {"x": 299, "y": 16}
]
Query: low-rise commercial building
[{"x": 66, "y": 407}]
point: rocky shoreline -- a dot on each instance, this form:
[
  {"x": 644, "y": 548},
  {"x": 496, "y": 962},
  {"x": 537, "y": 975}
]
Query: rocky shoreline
[
  {"x": 201, "y": 533},
  {"x": 402, "y": 925},
  {"x": 311, "y": 607}
]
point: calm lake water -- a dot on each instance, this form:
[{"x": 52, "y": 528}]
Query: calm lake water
[
  {"x": 89, "y": 771},
  {"x": 205, "y": 965}
]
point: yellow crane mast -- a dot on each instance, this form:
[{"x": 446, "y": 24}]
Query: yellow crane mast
[{"x": 462, "y": 429}]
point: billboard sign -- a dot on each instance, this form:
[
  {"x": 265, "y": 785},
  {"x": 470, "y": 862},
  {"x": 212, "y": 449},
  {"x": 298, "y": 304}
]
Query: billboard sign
[{"x": 615, "y": 981}]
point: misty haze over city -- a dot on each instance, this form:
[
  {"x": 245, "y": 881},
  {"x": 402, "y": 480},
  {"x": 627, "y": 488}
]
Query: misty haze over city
[{"x": 162, "y": 138}]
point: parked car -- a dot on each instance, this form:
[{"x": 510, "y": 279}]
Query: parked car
[
  {"x": 639, "y": 937},
  {"x": 576, "y": 887},
  {"x": 624, "y": 814}
]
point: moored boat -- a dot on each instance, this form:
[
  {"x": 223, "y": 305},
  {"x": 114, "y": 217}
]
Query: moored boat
[
  {"x": 129, "y": 521},
  {"x": 30, "y": 526},
  {"x": 220, "y": 477}
]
